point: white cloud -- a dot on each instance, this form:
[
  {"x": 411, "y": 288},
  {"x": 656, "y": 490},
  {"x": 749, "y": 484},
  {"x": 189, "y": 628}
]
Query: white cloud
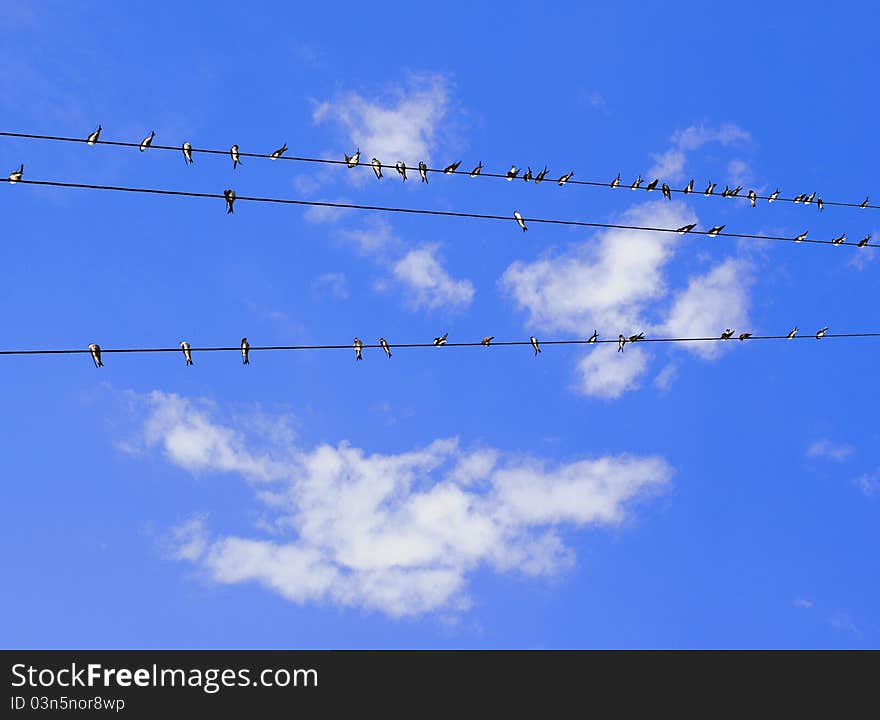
[
  {"x": 181, "y": 428},
  {"x": 608, "y": 374},
  {"x": 188, "y": 540},
  {"x": 668, "y": 165},
  {"x": 427, "y": 284},
  {"x": 802, "y": 603},
  {"x": 830, "y": 450},
  {"x": 606, "y": 281},
  {"x": 375, "y": 236},
  {"x": 418, "y": 274},
  {"x": 868, "y": 485},
  {"x": 739, "y": 172},
  {"x": 615, "y": 283},
  {"x": 843, "y": 621},
  {"x": 671, "y": 163},
  {"x": 322, "y": 214},
  {"x": 861, "y": 260},
  {"x": 401, "y": 124},
  {"x": 397, "y": 533},
  {"x": 334, "y": 285},
  {"x": 666, "y": 377},
  {"x": 718, "y": 298}
]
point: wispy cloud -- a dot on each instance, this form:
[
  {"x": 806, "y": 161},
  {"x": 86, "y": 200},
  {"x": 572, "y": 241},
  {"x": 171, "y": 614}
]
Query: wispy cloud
[
  {"x": 671, "y": 163},
  {"x": 616, "y": 282},
  {"x": 397, "y": 533},
  {"x": 605, "y": 373},
  {"x": 869, "y": 484},
  {"x": 401, "y": 123},
  {"x": 719, "y": 297},
  {"x": 666, "y": 377},
  {"x": 427, "y": 284},
  {"x": 373, "y": 237},
  {"x": 334, "y": 285},
  {"x": 843, "y": 621},
  {"x": 827, "y": 449},
  {"x": 605, "y": 281},
  {"x": 802, "y": 603}
]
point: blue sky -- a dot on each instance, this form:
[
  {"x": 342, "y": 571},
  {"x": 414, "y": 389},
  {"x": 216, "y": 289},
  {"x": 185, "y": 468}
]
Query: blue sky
[{"x": 663, "y": 497}]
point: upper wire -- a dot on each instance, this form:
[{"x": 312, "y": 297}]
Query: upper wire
[{"x": 446, "y": 171}]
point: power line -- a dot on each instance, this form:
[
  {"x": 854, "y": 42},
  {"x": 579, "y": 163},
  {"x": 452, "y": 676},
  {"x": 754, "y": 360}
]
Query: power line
[
  {"x": 445, "y": 171},
  {"x": 445, "y": 213},
  {"x": 396, "y": 346}
]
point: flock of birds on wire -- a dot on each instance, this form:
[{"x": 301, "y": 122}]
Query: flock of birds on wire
[
  {"x": 353, "y": 161},
  {"x": 358, "y": 345}
]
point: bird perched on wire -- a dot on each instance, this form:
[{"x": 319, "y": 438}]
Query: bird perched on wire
[
  {"x": 735, "y": 192},
  {"x": 802, "y": 236},
  {"x": 449, "y": 169},
  {"x": 236, "y": 157},
  {"x": 353, "y": 160},
  {"x": 541, "y": 175},
  {"x": 385, "y": 346},
  {"x": 401, "y": 169},
  {"x": 423, "y": 171},
  {"x": 753, "y": 197},
  {"x": 519, "y": 220},
  {"x": 792, "y": 333},
  {"x": 689, "y": 188},
  {"x": 478, "y": 169},
  {"x": 95, "y": 351},
  {"x": 616, "y": 182},
  {"x": 773, "y": 195},
  {"x": 594, "y": 337},
  {"x": 147, "y": 141},
  {"x": 745, "y": 336},
  {"x": 187, "y": 150},
  {"x": 820, "y": 204},
  {"x": 93, "y": 137},
  {"x": 727, "y": 334},
  {"x": 16, "y": 175},
  {"x": 809, "y": 199},
  {"x": 864, "y": 241},
  {"x": 486, "y": 341},
  {"x": 864, "y": 203},
  {"x": 684, "y": 229},
  {"x": 821, "y": 333},
  {"x": 438, "y": 341},
  {"x": 710, "y": 188},
  {"x": 187, "y": 352},
  {"x": 621, "y": 342},
  {"x": 230, "y": 200},
  {"x": 358, "y": 349},
  {"x": 565, "y": 178},
  {"x": 726, "y": 191},
  {"x": 839, "y": 240},
  {"x": 275, "y": 154},
  {"x": 716, "y": 231},
  {"x": 667, "y": 193},
  {"x": 534, "y": 341},
  {"x": 377, "y": 168},
  {"x": 527, "y": 175},
  {"x": 512, "y": 173},
  {"x": 636, "y": 183},
  {"x": 651, "y": 185},
  {"x": 634, "y": 338},
  {"x": 245, "y": 351}
]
